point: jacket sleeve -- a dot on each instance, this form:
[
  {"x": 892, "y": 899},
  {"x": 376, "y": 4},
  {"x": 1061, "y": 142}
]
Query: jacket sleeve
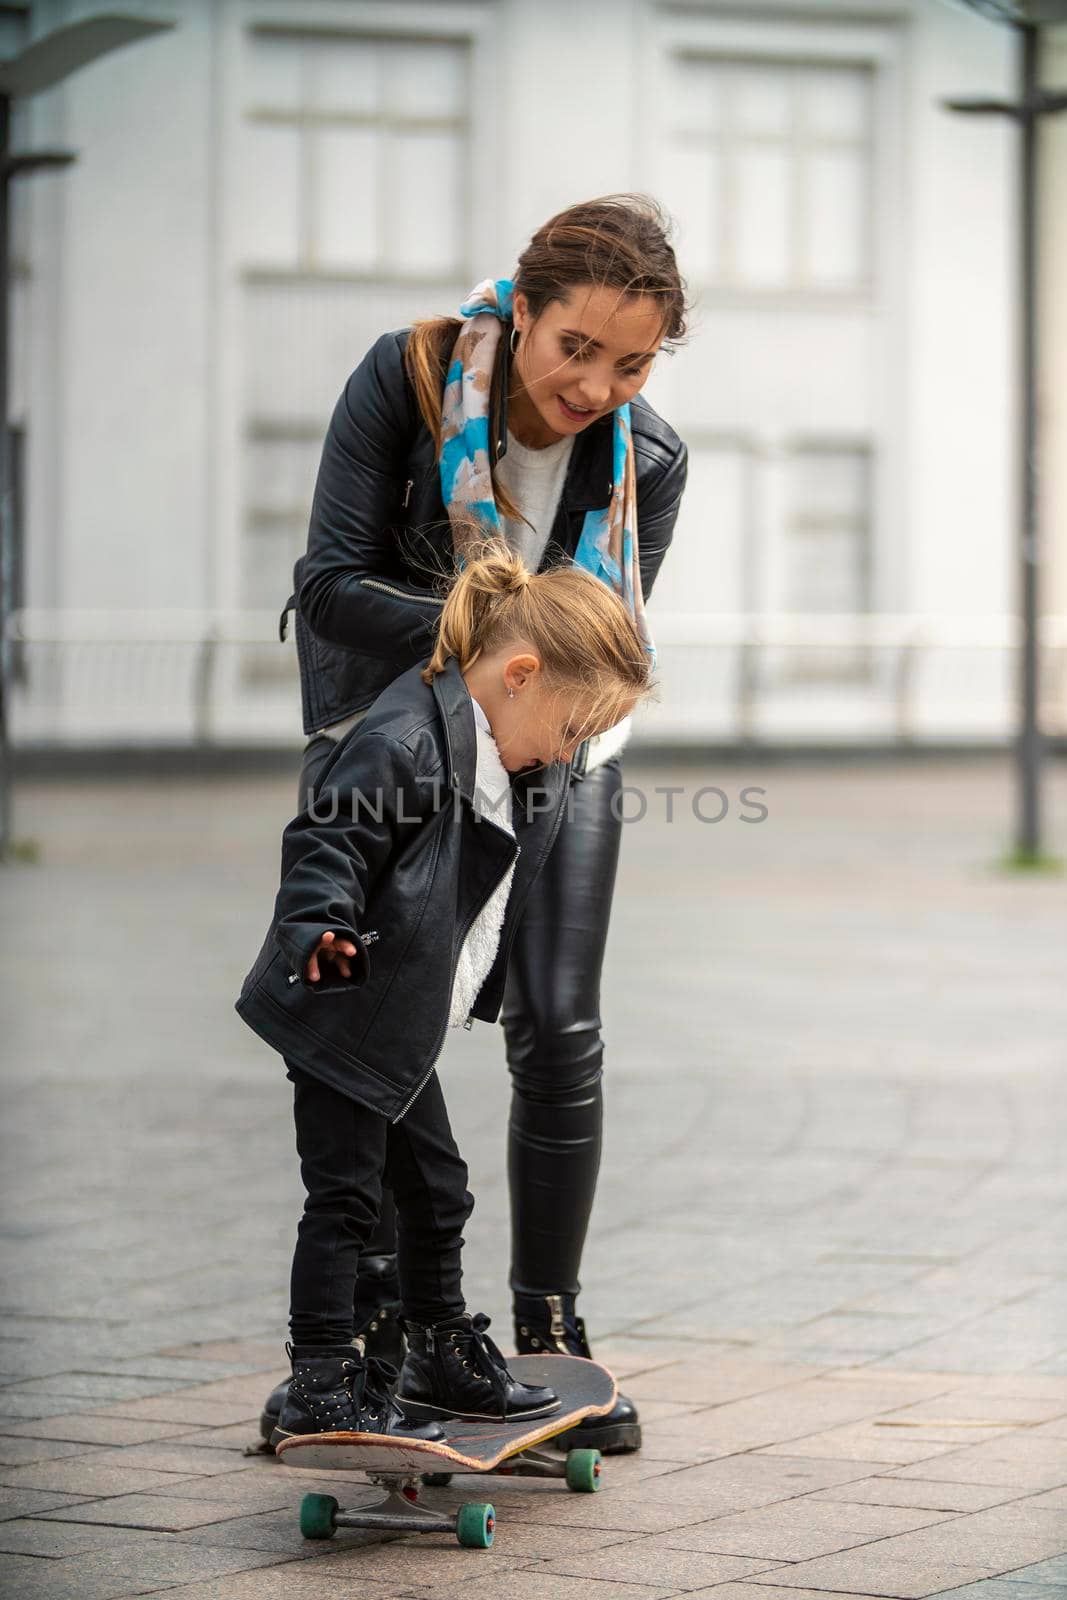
[
  {"x": 353, "y": 590},
  {"x": 333, "y": 852},
  {"x": 657, "y": 512}
]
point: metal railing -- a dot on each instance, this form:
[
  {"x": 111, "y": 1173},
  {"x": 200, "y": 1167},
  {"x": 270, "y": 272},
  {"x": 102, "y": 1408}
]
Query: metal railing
[{"x": 221, "y": 677}]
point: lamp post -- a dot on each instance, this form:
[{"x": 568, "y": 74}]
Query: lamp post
[
  {"x": 1026, "y": 18},
  {"x": 43, "y": 64}
]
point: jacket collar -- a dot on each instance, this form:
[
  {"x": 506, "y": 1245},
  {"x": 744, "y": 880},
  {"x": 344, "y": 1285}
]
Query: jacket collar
[{"x": 456, "y": 711}]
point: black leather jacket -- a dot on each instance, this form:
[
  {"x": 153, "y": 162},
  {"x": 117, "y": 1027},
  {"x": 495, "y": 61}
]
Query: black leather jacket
[
  {"x": 379, "y": 560},
  {"x": 403, "y": 872}
]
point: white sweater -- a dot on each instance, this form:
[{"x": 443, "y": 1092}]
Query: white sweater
[{"x": 492, "y": 799}]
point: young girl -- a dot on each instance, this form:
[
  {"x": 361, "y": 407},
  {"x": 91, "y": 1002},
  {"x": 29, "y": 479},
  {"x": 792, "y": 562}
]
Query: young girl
[{"x": 407, "y": 848}]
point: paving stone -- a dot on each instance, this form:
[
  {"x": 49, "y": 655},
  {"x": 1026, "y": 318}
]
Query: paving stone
[
  {"x": 973, "y": 1405},
  {"x": 24, "y": 1452},
  {"x": 259, "y": 1354},
  {"x": 83, "y": 1476},
  {"x": 91, "y": 1428},
  {"x": 17, "y": 1572},
  {"x": 694, "y": 1383},
  {"x": 655, "y": 1561},
  {"x": 30, "y": 1407},
  {"x": 799, "y": 1530},
  {"x": 91, "y": 1386},
  {"x": 176, "y": 1408},
  {"x": 1002, "y": 1538},
  {"x": 1008, "y": 1589},
  {"x": 788, "y": 1474},
  {"x": 256, "y": 1490},
  {"x": 156, "y": 1512},
  {"x": 976, "y": 1466},
  {"x": 234, "y": 1437},
  {"x": 610, "y": 1513},
  {"x": 33, "y": 1537},
  {"x": 292, "y": 1580},
  {"x": 861, "y": 1441},
  {"x": 538, "y": 1585},
  {"x": 769, "y": 1590},
  {"x": 132, "y": 1568},
  {"x": 1048, "y": 1499},
  {"x": 1052, "y": 1571},
  {"x": 188, "y": 1460},
  {"x": 29, "y": 1502},
  {"x": 930, "y": 1496},
  {"x": 866, "y": 1571}
]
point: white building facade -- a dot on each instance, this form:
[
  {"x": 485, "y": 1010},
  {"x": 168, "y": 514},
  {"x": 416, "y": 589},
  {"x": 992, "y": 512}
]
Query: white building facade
[{"x": 262, "y": 191}]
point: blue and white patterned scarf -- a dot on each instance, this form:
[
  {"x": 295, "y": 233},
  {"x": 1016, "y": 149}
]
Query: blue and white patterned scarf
[{"x": 607, "y": 546}]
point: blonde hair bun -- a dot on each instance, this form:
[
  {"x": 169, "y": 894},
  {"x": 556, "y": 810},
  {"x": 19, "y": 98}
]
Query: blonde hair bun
[{"x": 582, "y": 631}]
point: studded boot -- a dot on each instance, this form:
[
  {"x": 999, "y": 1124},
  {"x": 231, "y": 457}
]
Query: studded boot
[
  {"x": 340, "y": 1391},
  {"x": 547, "y": 1324},
  {"x": 378, "y": 1331},
  {"x": 453, "y": 1369}
]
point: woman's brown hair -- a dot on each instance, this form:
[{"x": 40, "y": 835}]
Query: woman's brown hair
[
  {"x": 582, "y": 631},
  {"x": 621, "y": 241}
]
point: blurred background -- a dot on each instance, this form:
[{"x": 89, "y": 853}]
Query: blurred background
[{"x": 263, "y": 189}]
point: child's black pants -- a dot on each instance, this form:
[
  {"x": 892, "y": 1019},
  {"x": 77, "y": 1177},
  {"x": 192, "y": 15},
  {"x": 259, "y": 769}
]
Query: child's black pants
[{"x": 345, "y": 1152}]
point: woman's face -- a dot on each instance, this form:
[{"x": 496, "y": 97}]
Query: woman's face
[{"x": 581, "y": 358}]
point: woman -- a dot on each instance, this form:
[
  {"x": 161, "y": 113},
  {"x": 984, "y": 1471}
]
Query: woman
[{"x": 527, "y": 419}]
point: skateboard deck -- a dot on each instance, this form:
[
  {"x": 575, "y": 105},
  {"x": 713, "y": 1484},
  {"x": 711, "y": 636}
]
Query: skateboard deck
[{"x": 585, "y": 1389}]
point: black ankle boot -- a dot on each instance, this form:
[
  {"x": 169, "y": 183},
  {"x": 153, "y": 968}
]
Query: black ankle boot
[
  {"x": 547, "y": 1324},
  {"x": 377, "y": 1309},
  {"x": 338, "y": 1391},
  {"x": 453, "y": 1369},
  {"x": 378, "y": 1331}
]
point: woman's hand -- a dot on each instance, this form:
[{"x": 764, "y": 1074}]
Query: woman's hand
[{"x": 330, "y": 948}]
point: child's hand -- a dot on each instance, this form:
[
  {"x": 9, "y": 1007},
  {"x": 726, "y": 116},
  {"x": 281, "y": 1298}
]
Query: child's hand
[{"x": 330, "y": 948}]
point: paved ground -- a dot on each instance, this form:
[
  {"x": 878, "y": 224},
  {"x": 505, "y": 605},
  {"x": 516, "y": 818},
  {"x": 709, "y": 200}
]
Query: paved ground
[{"x": 828, "y": 1256}]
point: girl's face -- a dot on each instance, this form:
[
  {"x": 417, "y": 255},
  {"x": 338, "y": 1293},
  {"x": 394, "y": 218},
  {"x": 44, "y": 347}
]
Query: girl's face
[
  {"x": 537, "y": 724},
  {"x": 582, "y": 357}
]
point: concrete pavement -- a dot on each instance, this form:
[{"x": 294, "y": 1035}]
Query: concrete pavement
[{"x": 827, "y": 1258}]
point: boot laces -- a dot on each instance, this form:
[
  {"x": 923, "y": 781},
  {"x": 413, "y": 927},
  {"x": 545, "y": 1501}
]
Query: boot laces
[
  {"x": 378, "y": 1401},
  {"x": 486, "y": 1357}
]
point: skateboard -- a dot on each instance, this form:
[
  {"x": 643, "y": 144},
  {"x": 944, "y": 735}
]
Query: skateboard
[{"x": 509, "y": 1449}]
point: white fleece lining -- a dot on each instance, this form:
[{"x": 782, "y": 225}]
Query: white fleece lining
[{"x": 492, "y": 799}]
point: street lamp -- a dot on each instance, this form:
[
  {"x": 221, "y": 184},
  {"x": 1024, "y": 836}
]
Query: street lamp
[
  {"x": 1026, "y": 17},
  {"x": 43, "y": 64}
]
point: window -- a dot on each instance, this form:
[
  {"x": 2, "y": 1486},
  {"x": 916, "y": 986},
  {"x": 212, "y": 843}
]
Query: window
[
  {"x": 355, "y": 156},
  {"x": 828, "y": 549},
  {"x": 769, "y": 170}
]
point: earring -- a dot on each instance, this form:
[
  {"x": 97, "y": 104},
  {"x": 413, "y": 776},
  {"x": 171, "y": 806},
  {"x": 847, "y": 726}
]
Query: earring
[
  {"x": 511, "y": 694},
  {"x": 514, "y": 340}
]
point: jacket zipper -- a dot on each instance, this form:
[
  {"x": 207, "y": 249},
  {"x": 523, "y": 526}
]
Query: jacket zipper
[
  {"x": 440, "y": 1045},
  {"x": 407, "y": 493},
  {"x": 387, "y": 588}
]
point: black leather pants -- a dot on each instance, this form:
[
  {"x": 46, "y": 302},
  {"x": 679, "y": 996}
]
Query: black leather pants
[{"x": 551, "y": 1021}]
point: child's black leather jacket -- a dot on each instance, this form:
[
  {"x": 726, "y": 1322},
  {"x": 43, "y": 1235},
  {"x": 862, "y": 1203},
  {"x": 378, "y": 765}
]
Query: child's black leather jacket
[{"x": 408, "y": 860}]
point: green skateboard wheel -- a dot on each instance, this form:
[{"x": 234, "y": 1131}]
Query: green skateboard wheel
[
  {"x": 318, "y": 1516},
  {"x": 475, "y": 1526},
  {"x": 583, "y": 1471},
  {"x": 437, "y": 1480}
]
